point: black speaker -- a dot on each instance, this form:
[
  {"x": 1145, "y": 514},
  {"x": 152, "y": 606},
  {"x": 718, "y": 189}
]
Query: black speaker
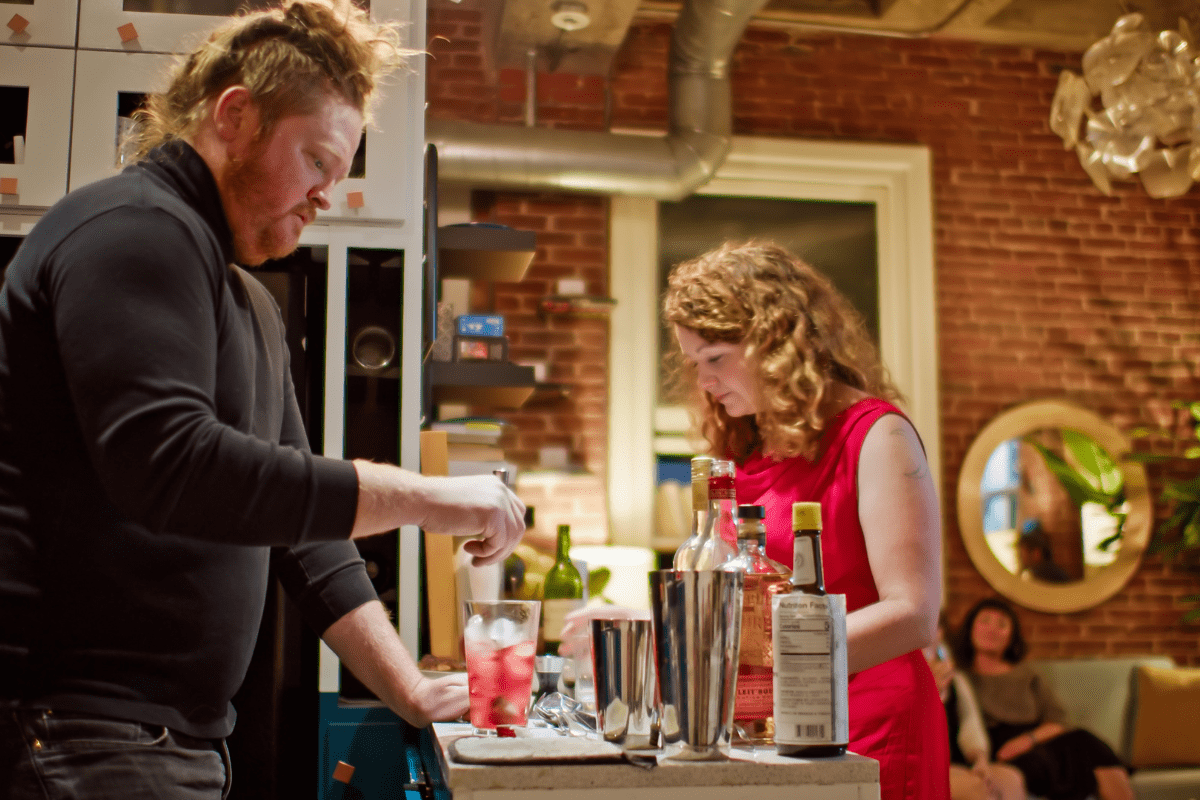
[
  {"x": 374, "y": 299},
  {"x": 374, "y": 294}
]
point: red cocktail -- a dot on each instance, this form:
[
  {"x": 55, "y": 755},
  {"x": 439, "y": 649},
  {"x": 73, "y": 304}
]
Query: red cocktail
[
  {"x": 500, "y": 682},
  {"x": 500, "y": 640}
]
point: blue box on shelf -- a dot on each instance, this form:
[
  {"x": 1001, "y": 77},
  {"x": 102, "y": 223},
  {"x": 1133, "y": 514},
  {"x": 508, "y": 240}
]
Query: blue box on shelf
[{"x": 490, "y": 325}]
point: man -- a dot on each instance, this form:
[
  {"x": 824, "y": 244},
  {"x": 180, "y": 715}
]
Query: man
[{"x": 152, "y": 456}]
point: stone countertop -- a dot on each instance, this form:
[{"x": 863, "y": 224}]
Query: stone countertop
[{"x": 747, "y": 767}]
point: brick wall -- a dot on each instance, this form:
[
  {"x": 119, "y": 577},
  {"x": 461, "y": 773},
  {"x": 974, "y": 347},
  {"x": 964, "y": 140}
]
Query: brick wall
[
  {"x": 572, "y": 236},
  {"x": 1046, "y": 287}
]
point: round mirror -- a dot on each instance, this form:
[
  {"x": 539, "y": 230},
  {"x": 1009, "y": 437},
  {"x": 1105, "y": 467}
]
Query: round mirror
[{"x": 1050, "y": 514}]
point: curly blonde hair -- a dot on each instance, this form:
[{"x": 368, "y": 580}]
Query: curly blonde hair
[
  {"x": 290, "y": 58},
  {"x": 800, "y": 336}
]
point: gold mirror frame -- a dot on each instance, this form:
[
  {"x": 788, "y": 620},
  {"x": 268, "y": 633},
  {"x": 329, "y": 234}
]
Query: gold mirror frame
[{"x": 1040, "y": 596}]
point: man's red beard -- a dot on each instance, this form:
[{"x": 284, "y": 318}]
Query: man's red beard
[{"x": 244, "y": 179}]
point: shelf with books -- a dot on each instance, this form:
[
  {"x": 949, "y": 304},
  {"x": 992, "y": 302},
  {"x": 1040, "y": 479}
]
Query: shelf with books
[
  {"x": 471, "y": 430},
  {"x": 473, "y": 447},
  {"x": 476, "y": 251}
]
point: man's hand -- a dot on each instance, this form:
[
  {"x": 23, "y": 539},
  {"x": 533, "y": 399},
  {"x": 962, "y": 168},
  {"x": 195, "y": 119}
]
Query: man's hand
[
  {"x": 440, "y": 699},
  {"x": 366, "y": 642},
  {"x": 477, "y": 506}
]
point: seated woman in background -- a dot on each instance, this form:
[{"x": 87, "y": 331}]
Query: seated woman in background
[
  {"x": 1024, "y": 718},
  {"x": 973, "y": 775}
]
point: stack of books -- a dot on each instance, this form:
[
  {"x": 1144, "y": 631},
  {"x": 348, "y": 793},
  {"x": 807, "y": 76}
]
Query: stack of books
[{"x": 473, "y": 446}]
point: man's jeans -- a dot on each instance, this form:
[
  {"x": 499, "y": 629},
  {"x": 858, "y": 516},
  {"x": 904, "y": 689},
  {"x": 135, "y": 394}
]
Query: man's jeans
[{"x": 48, "y": 755}]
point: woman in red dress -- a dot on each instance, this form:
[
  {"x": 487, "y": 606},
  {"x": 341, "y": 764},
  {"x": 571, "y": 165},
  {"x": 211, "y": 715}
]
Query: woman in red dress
[{"x": 788, "y": 383}]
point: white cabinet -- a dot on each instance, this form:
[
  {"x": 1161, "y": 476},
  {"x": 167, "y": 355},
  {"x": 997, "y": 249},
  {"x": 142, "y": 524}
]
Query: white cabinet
[
  {"x": 40, "y": 23},
  {"x": 392, "y": 161},
  {"x": 352, "y": 396},
  {"x": 176, "y": 26},
  {"x": 173, "y": 26},
  {"x": 36, "y": 84},
  {"x": 117, "y": 75},
  {"x": 394, "y": 142},
  {"x": 102, "y": 78}
]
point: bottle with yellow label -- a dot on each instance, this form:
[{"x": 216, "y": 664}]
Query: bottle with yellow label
[{"x": 809, "y": 639}]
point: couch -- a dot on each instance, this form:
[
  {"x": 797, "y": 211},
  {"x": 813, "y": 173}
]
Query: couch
[{"x": 1145, "y": 708}]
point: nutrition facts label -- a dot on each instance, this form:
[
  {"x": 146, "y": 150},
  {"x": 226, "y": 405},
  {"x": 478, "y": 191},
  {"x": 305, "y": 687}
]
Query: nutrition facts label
[{"x": 807, "y": 704}]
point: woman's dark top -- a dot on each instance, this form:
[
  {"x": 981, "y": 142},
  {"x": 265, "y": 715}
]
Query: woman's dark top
[{"x": 152, "y": 460}]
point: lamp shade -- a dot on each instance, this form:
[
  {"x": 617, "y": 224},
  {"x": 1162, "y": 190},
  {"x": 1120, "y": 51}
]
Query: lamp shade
[{"x": 629, "y": 585}]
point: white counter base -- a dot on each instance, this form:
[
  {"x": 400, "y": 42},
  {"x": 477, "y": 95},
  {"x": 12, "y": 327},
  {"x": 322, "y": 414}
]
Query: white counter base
[{"x": 761, "y": 773}]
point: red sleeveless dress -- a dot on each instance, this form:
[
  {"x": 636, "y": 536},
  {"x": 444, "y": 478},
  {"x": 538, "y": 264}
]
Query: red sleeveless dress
[{"x": 896, "y": 716}]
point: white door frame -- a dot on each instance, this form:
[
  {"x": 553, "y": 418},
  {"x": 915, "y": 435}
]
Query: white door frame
[{"x": 896, "y": 178}]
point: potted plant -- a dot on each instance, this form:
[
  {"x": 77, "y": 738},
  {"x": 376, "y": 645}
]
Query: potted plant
[
  {"x": 1089, "y": 475},
  {"x": 1177, "y": 539}
]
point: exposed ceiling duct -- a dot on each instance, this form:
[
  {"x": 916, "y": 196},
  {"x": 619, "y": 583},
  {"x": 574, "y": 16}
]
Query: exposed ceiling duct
[
  {"x": 667, "y": 167},
  {"x": 704, "y": 37}
]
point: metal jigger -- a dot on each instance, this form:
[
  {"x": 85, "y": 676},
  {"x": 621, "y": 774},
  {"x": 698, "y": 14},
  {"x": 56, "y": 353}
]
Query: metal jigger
[{"x": 547, "y": 670}]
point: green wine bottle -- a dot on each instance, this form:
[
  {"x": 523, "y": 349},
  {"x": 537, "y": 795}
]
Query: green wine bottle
[{"x": 562, "y": 593}]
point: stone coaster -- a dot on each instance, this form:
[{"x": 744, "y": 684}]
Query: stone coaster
[{"x": 521, "y": 750}]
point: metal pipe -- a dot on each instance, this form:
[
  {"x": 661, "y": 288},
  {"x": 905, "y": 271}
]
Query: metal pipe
[
  {"x": 789, "y": 23},
  {"x": 667, "y": 167},
  {"x": 531, "y": 98}
]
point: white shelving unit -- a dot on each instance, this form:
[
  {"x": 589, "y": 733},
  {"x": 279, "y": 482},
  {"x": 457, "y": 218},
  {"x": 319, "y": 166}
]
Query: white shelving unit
[
  {"x": 44, "y": 57},
  {"x": 46, "y": 74},
  {"x": 94, "y": 132},
  {"x": 42, "y": 23}
]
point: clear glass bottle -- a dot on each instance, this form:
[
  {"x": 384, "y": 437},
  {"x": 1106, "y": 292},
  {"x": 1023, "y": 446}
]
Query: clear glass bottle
[
  {"x": 720, "y": 528},
  {"x": 753, "y": 707},
  {"x": 562, "y": 592},
  {"x": 685, "y": 556},
  {"x": 810, "y": 727}
]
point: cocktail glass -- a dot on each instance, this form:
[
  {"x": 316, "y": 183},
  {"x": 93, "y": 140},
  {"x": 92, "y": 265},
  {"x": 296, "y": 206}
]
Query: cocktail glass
[{"x": 500, "y": 639}]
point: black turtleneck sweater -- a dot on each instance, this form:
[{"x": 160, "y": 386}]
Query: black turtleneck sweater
[{"x": 152, "y": 459}]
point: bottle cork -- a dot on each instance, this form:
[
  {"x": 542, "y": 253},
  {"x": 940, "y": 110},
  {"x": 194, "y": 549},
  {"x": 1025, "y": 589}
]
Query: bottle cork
[{"x": 806, "y": 516}]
